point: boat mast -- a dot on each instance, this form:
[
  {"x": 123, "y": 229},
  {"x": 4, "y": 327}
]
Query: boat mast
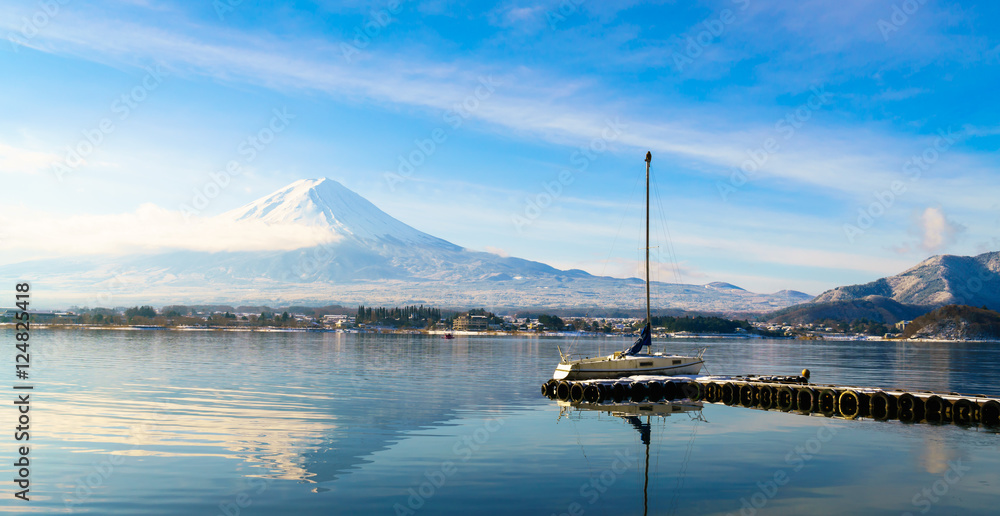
[{"x": 649, "y": 157}]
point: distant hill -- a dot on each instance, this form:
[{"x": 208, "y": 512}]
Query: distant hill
[
  {"x": 721, "y": 285},
  {"x": 956, "y": 322},
  {"x": 874, "y": 308},
  {"x": 792, "y": 294},
  {"x": 937, "y": 281}
]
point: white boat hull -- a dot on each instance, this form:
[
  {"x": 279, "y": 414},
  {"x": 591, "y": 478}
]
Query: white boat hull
[{"x": 630, "y": 365}]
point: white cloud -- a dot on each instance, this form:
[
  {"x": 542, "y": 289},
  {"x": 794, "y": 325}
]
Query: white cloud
[
  {"x": 524, "y": 19},
  {"x": 937, "y": 231},
  {"x": 497, "y": 251},
  {"x": 148, "y": 229}
]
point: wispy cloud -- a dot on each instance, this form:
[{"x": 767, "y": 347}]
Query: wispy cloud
[
  {"x": 527, "y": 101},
  {"x": 148, "y": 229},
  {"x": 15, "y": 160}
]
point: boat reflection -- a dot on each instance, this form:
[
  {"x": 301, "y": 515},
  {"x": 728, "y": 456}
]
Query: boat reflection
[
  {"x": 663, "y": 409},
  {"x": 632, "y": 413}
]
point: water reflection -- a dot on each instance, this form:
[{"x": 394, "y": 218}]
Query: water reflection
[
  {"x": 638, "y": 415},
  {"x": 661, "y": 409},
  {"x": 191, "y": 422},
  {"x": 729, "y": 452},
  {"x": 301, "y": 407}
]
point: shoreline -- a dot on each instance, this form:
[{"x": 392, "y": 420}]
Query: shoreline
[
  {"x": 442, "y": 333},
  {"x": 457, "y": 333}
]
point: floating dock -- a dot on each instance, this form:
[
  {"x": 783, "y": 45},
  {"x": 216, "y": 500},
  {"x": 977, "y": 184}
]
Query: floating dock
[{"x": 787, "y": 394}]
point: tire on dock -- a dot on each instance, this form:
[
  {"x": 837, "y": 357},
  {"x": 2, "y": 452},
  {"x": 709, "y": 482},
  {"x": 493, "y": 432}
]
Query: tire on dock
[
  {"x": 747, "y": 395},
  {"x": 713, "y": 393},
  {"x": 691, "y": 391},
  {"x": 909, "y": 408},
  {"x": 805, "y": 400},
  {"x": 730, "y": 394},
  {"x": 965, "y": 412},
  {"x": 605, "y": 391},
  {"x": 671, "y": 391},
  {"x": 549, "y": 388},
  {"x": 882, "y": 406},
  {"x": 785, "y": 399},
  {"x": 562, "y": 390},
  {"x": 766, "y": 396},
  {"x": 619, "y": 391},
  {"x": 576, "y": 391},
  {"x": 654, "y": 391},
  {"x": 989, "y": 413},
  {"x": 937, "y": 410},
  {"x": 592, "y": 393},
  {"x": 827, "y": 402},
  {"x": 638, "y": 391},
  {"x": 852, "y": 404}
]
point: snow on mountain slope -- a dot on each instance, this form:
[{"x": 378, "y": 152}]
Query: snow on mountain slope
[
  {"x": 938, "y": 280},
  {"x": 374, "y": 259},
  {"x": 720, "y": 285},
  {"x": 327, "y": 203}
]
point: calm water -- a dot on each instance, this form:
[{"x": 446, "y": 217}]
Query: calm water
[{"x": 291, "y": 423}]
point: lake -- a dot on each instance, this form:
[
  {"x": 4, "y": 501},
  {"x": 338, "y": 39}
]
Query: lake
[{"x": 213, "y": 423}]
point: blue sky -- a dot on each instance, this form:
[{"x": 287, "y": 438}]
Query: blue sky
[{"x": 795, "y": 145}]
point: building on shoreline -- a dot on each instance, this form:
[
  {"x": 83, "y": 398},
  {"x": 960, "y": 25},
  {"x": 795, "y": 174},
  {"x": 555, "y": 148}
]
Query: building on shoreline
[{"x": 470, "y": 323}]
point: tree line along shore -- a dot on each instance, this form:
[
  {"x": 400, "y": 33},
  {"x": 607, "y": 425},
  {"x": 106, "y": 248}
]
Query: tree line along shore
[
  {"x": 416, "y": 317},
  {"x": 951, "y": 322}
]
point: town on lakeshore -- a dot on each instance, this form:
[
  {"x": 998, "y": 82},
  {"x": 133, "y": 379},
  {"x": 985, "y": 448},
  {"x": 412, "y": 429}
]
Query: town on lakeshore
[{"x": 984, "y": 323}]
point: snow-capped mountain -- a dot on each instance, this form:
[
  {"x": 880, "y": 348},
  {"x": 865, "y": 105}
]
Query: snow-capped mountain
[
  {"x": 327, "y": 203},
  {"x": 368, "y": 257},
  {"x": 936, "y": 281}
]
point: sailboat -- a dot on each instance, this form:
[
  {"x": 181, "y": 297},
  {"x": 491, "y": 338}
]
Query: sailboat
[{"x": 632, "y": 360}]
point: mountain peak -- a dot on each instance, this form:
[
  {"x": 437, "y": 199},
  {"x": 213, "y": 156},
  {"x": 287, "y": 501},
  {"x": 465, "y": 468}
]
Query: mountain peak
[
  {"x": 327, "y": 203},
  {"x": 936, "y": 281},
  {"x": 720, "y": 285}
]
